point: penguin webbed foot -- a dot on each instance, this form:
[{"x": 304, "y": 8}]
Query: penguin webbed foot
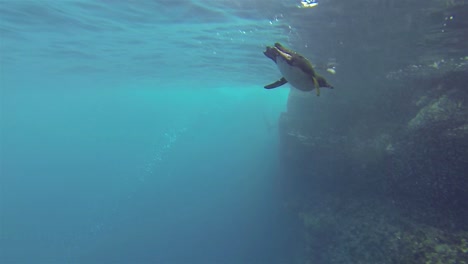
[{"x": 317, "y": 86}]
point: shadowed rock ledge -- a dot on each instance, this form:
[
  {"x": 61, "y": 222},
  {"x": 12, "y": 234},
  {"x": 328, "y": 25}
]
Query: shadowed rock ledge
[{"x": 393, "y": 190}]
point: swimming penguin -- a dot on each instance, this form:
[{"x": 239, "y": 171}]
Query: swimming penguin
[{"x": 296, "y": 70}]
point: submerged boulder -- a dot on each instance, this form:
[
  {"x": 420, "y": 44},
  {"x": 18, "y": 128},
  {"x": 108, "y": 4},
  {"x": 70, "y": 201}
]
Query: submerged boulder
[
  {"x": 413, "y": 164},
  {"x": 445, "y": 113},
  {"x": 439, "y": 111}
]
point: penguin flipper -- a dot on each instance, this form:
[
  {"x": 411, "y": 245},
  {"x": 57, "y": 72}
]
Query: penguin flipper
[{"x": 278, "y": 83}]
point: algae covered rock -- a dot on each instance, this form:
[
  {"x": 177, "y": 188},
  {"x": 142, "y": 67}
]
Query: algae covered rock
[{"x": 437, "y": 112}]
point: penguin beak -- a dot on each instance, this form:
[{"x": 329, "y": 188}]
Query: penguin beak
[{"x": 271, "y": 53}]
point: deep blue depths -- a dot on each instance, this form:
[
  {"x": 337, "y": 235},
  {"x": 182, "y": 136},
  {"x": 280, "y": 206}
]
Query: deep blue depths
[
  {"x": 138, "y": 133},
  {"x": 120, "y": 175}
]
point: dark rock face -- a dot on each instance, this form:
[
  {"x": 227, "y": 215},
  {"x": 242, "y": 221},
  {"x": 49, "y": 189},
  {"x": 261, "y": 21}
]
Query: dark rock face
[
  {"x": 430, "y": 164},
  {"x": 377, "y": 169},
  {"x": 400, "y": 183}
]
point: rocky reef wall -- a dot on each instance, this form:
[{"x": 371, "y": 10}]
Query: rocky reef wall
[
  {"x": 429, "y": 164},
  {"x": 376, "y": 170},
  {"x": 381, "y": 183}
]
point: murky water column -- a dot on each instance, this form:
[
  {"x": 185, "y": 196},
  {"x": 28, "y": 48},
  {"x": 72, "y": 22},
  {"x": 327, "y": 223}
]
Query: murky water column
[{"x": 160, "y": 150}]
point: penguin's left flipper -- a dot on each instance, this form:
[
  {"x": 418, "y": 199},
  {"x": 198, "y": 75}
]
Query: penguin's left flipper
[{"x": 278, "y": 83}]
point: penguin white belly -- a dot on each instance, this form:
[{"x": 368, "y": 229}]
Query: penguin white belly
[{"x": 295, "y": 76}]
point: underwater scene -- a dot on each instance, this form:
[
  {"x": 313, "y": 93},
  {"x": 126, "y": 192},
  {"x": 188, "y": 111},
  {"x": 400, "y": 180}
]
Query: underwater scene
[{"x": 234, "y": 131}]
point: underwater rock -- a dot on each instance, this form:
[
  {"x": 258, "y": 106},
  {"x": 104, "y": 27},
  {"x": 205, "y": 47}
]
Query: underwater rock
[
  {"x": 429, "y": 68},
  {"x": 377, "y": 173},
  {"x": 442, "y": 110},
  {"x": 439, "y": 108},
  {"x": 374, "y": 232},
  {"x": 416, "y": 162},
  {"x": 429, "y": 163},
  {"x": 460, "y": 132}
]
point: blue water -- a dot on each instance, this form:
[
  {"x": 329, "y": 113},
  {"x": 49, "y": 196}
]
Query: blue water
[{"x": 139, "y": 132}]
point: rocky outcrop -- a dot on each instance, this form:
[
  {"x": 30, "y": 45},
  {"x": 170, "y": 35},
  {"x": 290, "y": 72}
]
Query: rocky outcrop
[
  {"x": 375, "y": 233},
  {"x": 442, "y": 110},
  {"x": 399, "y": 184},
  {"x": 377, "y": 172},
  {"x": 447, "y": 115},
  {"x": 430, "y": 161}
]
